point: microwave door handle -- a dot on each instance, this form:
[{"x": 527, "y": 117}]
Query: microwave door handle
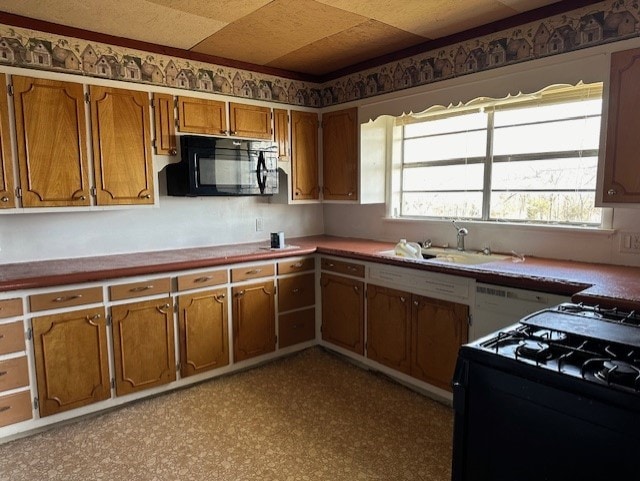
[{"x": 262, "y": 178}]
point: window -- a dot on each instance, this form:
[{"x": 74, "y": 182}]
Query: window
[{"x": 529, "y": 158}]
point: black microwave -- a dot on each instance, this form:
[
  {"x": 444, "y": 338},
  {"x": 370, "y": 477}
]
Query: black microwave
[{"x": 223, "y": 166}]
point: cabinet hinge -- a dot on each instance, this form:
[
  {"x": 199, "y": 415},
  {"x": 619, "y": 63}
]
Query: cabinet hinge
[
  {"x": 36, "y": 403},
  {"x": 29, "y": 334},
  {"x": 175, "y": 308},
  {"x": 178, "y": 366},
  {"x": 10, "y": 89},
  {"x": 321, "y": 326},
  {"x": 109, "y": 320},
  {"x": 153, "y": 143},
  {"x": 152, "y": 104},
  {"x": 19, "y": 192},
  {"x": 87, "y": 97},
  {"x": 175, "y": 102},
  {"x": 276, "y": 340},
  {"x": 113, "y": 383},
  {"x": 177, "y": 123},
  {"x": 469, "y": 320},
  {"x": 93, "y": 191}
]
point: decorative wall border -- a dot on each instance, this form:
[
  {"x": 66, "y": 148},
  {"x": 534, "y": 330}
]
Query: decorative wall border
[{"x": 604, "y": 22}]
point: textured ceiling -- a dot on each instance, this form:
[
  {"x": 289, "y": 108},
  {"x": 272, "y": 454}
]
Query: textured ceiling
[{"x": 314, "y": 37}]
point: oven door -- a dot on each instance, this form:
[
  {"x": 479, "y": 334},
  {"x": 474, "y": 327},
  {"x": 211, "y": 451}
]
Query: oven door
[{"x": 513, "y": 425}]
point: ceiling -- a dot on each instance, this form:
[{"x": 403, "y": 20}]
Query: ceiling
[{"x": 312, "y": 37}]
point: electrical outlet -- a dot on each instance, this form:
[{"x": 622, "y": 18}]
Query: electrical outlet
[
  {"x": 630, "y": 242},
  {"x": 259, "y": 224}
]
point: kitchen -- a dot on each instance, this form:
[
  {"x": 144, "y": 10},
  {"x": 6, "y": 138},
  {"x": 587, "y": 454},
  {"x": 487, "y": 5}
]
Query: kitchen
[{"x": 228, "y": 221}]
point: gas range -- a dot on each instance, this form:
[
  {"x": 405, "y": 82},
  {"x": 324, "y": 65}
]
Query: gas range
[{"x": 601, "y": 346}]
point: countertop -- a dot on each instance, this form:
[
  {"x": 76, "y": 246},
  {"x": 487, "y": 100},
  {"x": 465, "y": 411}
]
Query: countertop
[{"x": 603, "y": 284}]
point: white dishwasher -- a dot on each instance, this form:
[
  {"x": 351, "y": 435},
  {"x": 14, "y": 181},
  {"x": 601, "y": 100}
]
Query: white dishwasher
[{"x": 497, "y": 307}]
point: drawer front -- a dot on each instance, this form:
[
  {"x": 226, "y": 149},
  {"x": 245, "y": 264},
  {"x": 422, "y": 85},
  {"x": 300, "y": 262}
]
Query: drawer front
[
  {"x": 139, "y": 289},
  {"x": 253, "y": 272},
  {"x": 299, "y": 265},
  {"x": 296, "y": 327},
  {"x": 15, "y": 408},
  {"x": 11, "y": 337},
  {"x": 202, "y": 279},
  {"x": 356, "y": 270},
  {"x": 296, "y": 292},
  {"x": 74, "y": 297},
  {"x": 14, "y": 373},
  {"x": 10, "y": 308}
]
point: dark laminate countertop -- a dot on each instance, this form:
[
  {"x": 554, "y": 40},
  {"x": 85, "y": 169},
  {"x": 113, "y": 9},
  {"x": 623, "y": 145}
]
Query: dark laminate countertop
[{"x": 608, "y": 285}]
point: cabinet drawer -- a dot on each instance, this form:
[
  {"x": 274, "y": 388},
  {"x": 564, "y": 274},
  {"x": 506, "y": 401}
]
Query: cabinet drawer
[
  {"x": 296, "y": 327},
  {"x": 139, "y": 289},
  {"x": 356, "y": 270},
  {"x": 74, "y": 297},
  {"x": 296, "y": 292},
  {"x": 11, "y": 337},
  {"x": 202, "y": 279},
  {"x": 10, "y": 308},
  {"x": 15, "y": 408},
  {"x": 14, "y": 373},
  {"x": 299, "y": 265},
  {"x": 253, "y": 272}
]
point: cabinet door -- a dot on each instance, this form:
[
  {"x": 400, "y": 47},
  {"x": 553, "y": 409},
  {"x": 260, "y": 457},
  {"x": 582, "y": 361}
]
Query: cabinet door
[
  {"x": 254, "y": 325},
  {"x": 250, "y": 121},
  {"x": 343, "y": 312},
  {"x": 438, "y": 329},
  {"x": 281, "y": 133},
  {"x": 143, "y": 345},
  {"x": 121, "y": 146},
  {"x": 51, "y": 139},
  {"x": 201, "y": 116},
  {"x": 204, "y": 342},
  {"x": 304, "y": 154},
  {"x": 621, "y": 179},
  {"x": 340, "y": 155},
  {"x": 165, "y": 124},
  {"x": 72, "y": 366},
  {"x": 389, "y": 327},
  {"x": 7, "y": 198}
]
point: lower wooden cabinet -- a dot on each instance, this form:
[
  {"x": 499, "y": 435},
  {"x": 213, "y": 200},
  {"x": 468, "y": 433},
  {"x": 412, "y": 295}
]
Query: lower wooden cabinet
[
  {"x": 70, "y": 352},
  {"x": 143, "y": 345},
  {"x": 254, "y": 326},
  {"x": 343, "y": 312},
  {"x": 296, "y": 327},
  {"x": 204, "y": 341},
  {"x": 15, "y": 408}
]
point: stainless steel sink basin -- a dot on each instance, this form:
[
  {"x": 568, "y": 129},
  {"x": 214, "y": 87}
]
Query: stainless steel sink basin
[{"x": 451, "y": 256}]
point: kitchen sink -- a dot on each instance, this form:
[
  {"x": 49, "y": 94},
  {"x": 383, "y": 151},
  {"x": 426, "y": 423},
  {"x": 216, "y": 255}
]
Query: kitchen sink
[{"x": 451, "y": 256}]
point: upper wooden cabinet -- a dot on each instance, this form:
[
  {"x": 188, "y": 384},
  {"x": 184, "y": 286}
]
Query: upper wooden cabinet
[
  {"x": 201, "y": 116},
  {"x": 121, "y": 146},
  {"x": 340, "y": 155},
  {"x": 164, "y": 120},
  {"x": 621, "y": 165},
  {"x": 281, "y": 133},
  {"x": 7, "y": 196},
  {"x": 304, "y": 155},
  {"x": 250, "y": 121},
  {"x": 51, "y": 140}
]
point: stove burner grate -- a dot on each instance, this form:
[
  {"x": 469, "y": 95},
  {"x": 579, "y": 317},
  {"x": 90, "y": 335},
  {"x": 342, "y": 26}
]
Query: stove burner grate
[{"x": 612, "y": 372}]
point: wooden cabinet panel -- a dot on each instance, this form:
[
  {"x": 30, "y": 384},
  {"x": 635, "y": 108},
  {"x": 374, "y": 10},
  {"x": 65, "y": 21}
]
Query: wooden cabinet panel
[
  {"x": 11, "y": 337},
  {"x": 343, "y": 312},
  {"x": 621, "y": 179},
  {"x": 304, "y": 155},
  {"x": 296, "y": 327},
  {"x": 389, "y": 327},
  {"x": 253, "y": 320},
  {"x": 7, "y": 196},
  {"x": 165, "y": 124},
  {"x": 349, "y": 268},
  {"x": 201, "y": 116},
  {"x": 202, "y": 279},
  {"x": 250, "y": 121},
  {"x": 204, "y": 342},
  {"x": 438, "y": 328},
  {"x": 10, "y": 308},
  {"x": 139, "y": 289},
  {"x": 340, "y": 155},
  {"x": 121, "y": 146},
  {"x": 58, "y": 299},
  {"x": 296, "y": 292},
  {"x": 281, "y": 133},
  {"x": 143, "y": 345},
  {"x": 51, "y": 139},
  {"x": 14, "y": 373},
  {"x": 71, "y": 359},
  {"x": 253, "y": 272},
  {"x": 15, "y": 408}
]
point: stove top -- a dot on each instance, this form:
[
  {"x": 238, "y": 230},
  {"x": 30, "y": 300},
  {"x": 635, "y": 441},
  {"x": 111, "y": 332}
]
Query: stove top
[{"x": 601, "y": 346}]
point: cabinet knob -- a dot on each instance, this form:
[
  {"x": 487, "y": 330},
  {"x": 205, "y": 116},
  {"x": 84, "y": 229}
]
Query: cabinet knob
[
  {"x": 224, "y": 132},
  {"x": 416, "y": 303},
  {"x": 220, "y": 297},
  {"x": 173, "y": 152},
  {"x": 145, "y": 196},
  {"x": 611, "y": 192},
  {"x": 232, "y": 132},
  {"x": 403, "y": 299},
  {"x": 4, "y": 198},
  {"x": 350, "y": 194}
]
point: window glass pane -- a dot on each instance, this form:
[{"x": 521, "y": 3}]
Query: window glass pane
[
  {"x": 572, "y": 207},
  {"x": 444, "y": 147},
  {"x": 568, "y": 174},
  {"x": 455, "y": 123},
  {"x": 442, "y": 204},
  {"x": 445, "y": 177},
  {"x": 541, "y": 113}
]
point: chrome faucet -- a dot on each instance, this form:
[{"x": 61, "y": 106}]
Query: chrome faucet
[{"x": 462, "y": 232}]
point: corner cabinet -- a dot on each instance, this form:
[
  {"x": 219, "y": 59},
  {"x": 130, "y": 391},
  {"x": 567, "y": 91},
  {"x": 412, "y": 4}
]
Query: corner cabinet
[
  {"x": 121, "y": 146},
  {"x": 7, "y": 197},
  {"x": 340, "y": 155},
  {"x": 304, "y": 155},
  {"x": 621, "y": 182}
]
